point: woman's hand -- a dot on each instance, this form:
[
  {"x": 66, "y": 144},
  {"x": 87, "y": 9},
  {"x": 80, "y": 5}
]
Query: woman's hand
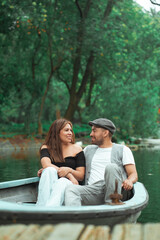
[
  {"x": 39, "y": 172},
  {"x": 63, "y": 171},
  {"x": 72, "y": 179}
]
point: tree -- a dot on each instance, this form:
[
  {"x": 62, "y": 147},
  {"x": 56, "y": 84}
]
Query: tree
[
  {"x": 86, "y": 50},
  {"x": 129, "y": 91},
  {"x": 85, "y": 58},
  {"x": 155, "y": 2}
]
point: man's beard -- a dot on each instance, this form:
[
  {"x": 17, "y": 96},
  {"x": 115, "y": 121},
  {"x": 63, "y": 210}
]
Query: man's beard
[{"x": 98, "y": 142}]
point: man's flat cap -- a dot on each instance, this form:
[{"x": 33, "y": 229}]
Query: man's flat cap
[{"x": 103, "y": 123}]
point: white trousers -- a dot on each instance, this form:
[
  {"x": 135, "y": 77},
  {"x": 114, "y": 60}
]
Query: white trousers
[{"x": 51, "y": 188}]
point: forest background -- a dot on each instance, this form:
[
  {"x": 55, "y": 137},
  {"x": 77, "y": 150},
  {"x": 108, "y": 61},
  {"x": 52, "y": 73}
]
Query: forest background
[{"x": 80, "y": 60}]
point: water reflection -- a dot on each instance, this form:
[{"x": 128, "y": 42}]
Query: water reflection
[
  {"x": 18, "y": 164},
  {"x": 24, "y": 164},
  {"x": 148, "y": 167}
]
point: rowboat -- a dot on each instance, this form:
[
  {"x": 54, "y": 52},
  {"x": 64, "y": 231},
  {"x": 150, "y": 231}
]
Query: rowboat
[{"x": 18, "y": 198}]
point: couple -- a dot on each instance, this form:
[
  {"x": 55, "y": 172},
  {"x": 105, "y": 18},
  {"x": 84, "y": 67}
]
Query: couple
[{"x": 64, "y": 165}]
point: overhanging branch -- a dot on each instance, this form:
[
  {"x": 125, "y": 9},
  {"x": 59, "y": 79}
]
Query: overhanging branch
[
  {"x": 79, "y": 8},
  {"x": 65, "y": 82},
  {"x": 108, "y": 9},
  {"x": 155, "y": 3}
]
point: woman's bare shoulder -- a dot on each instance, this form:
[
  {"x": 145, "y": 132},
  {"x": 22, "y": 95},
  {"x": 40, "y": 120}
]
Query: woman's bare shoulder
[
  {"x": 77, "y": 148},
  {"x": 44, "y": 146}
]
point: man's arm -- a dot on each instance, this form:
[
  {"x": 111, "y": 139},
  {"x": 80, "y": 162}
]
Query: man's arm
[{"x": 132, "y": 176}]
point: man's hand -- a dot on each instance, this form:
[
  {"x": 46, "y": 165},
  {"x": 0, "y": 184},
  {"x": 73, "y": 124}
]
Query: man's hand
[
  {"x": 63, "y": 171},
  {"x": 132, "y": 176},
  {"x": 127, "y": 184},
  {"x": 39, "y": 172}
]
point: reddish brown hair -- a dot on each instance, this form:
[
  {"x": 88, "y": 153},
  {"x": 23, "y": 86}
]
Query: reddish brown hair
[{"x": 53, "y": 140}]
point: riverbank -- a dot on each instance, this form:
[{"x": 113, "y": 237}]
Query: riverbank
[{"x": 20, "y": 142}]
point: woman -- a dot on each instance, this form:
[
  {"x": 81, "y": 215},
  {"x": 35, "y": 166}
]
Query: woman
[{"x": 63, "y": 163}]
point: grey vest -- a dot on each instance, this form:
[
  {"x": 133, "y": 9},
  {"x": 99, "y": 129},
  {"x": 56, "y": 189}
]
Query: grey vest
[{"x": 116, "y": 157}]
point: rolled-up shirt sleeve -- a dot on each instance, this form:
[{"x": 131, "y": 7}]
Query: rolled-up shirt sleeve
[{"x": 127, "y": 156}]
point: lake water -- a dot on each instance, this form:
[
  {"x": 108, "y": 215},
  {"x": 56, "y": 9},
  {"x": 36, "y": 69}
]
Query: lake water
[
  {"x": 24, "y": 164},
  {"x": 148, "y": 167}
]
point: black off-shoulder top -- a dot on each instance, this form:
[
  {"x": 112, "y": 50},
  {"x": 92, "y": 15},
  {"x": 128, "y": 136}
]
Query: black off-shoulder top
[{"x": 72, "y": 162}]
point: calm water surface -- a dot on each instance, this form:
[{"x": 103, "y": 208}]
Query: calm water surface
[
  {"x": 148, "y": 167},
  {"x": 17, "y": 165}
]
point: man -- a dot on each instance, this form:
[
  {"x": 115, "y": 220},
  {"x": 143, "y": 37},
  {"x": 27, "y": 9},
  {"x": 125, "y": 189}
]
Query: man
[{"x": 106, "y": 162}]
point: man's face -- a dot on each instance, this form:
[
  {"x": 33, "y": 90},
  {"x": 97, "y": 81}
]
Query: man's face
[{"x": 97, "y": 135}]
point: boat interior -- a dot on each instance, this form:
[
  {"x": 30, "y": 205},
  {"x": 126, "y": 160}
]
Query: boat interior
[{"x": 26, "y": 192}]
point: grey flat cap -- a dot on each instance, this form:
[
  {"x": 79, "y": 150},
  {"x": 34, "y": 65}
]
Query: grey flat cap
[{"x": 103, "y": 123}]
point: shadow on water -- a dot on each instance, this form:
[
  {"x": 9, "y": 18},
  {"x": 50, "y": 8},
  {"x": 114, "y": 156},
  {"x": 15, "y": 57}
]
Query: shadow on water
[{"x": 24, "y": 164}]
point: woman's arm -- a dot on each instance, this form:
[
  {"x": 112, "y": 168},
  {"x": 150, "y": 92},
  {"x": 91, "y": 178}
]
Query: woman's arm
[
  {"x": 46, "y": 162},
  {"x": 78, "y": 173},
  {"x": 72, "y": 179}
]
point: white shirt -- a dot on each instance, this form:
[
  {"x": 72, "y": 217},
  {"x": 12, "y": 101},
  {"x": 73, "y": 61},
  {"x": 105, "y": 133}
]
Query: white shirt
[{"x": 101, "y": 158}]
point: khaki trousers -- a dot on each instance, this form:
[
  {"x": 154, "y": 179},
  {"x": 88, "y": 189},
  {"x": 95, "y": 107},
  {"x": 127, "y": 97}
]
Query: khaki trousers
[{"x": 97, "y": 193}]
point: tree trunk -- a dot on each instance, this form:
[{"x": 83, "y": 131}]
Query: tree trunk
[
  {"x": 75, "y": 96},
  {"x": 40, "y": 128},
  {"x": 69, "y": 114},
  {"x": 52, "y": 70}
]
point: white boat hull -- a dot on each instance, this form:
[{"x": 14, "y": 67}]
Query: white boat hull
[{"x": 17, "y": 204}]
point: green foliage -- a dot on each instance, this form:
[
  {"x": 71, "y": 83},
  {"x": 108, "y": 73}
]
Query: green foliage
[
  {"x": 79, "y": 129},
  {"x": 126, "y": 50}
]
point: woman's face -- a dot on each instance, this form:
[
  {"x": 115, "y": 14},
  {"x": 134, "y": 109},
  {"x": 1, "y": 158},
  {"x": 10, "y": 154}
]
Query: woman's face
[{"x": 66, "y": 133}]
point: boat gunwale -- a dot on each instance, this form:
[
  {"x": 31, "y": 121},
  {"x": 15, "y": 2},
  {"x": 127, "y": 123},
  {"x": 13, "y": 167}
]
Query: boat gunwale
[{"x": 18, "y": 182}]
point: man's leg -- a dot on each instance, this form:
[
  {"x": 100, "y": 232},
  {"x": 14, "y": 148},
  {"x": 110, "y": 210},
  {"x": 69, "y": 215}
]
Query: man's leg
[
  {"x": 77, "y": 195},
  {"x": 112, "y": 173}
]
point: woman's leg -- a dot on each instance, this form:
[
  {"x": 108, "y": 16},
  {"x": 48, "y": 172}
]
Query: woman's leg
[
  {"x": 57, "y": 196},
  {"x": 48, "y": 178}
]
